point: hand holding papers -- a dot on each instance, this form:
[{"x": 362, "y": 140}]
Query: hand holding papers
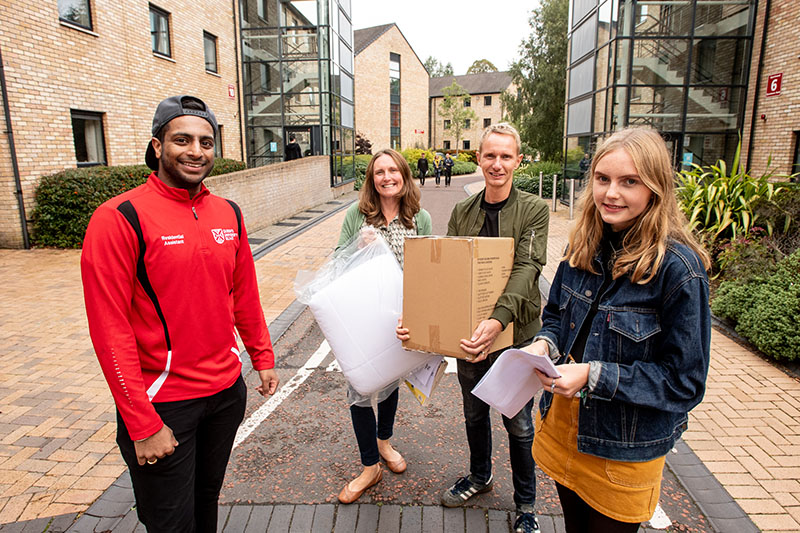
[{"x": 511, "y": 382}]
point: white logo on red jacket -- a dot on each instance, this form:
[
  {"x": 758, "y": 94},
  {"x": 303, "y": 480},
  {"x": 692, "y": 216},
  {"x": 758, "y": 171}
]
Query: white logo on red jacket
[{"x": 222, "y": 235}]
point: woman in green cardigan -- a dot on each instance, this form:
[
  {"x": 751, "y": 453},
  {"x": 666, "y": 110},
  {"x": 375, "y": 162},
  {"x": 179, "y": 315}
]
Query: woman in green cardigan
[{"x": 388, "y": 205}]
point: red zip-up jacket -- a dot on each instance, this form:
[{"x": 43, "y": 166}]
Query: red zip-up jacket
[{"x": 162, "y": 322}]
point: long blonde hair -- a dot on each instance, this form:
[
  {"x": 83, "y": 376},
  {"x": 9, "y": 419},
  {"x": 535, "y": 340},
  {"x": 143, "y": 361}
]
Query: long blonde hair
[
  {"x": 369, "y": 202},
  {"x": 645, "y": 244}
]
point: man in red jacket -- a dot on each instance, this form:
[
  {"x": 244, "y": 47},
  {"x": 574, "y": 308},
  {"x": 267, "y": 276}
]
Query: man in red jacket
[{"x": 168, "y": 279}]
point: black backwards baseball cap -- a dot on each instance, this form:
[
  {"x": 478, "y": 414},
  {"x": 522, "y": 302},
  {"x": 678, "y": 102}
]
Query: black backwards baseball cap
[{"x": 173, "y": 107}]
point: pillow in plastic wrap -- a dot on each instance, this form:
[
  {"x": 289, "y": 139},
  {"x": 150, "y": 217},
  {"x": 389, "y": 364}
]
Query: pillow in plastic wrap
[{"x": 357, "y": 312}]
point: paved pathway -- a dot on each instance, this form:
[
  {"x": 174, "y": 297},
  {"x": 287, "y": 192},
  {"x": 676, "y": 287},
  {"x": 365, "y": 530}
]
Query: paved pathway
[{"x": 57, "y": 450}]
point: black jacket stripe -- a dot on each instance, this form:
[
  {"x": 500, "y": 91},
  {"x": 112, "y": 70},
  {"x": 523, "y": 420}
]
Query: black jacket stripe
[{"x": 129, "y": 212}]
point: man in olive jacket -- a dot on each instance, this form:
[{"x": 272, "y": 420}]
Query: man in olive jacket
[{"x": 501, "y": 210}]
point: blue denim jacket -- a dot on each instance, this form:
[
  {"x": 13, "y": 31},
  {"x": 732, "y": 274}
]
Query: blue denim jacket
[{"x": 653, "y": 342}]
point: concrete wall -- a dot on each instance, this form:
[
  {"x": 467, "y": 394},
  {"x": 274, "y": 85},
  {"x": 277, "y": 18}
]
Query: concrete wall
[
  {"x": 52, "y": 68},
  {"x": 776, "y": 135},
  {"x": 273, "y": 192},
  {"x": 372, "y": 92}
]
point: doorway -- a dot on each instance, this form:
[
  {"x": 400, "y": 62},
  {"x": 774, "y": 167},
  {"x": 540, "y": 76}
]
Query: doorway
[{"x": 304, "y": 137}]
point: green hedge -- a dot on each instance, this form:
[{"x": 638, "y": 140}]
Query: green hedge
[
  {"x": 766, "y": 309},
  {"x": 65, "y": 201},
  {"x": 526, "y": 177}
]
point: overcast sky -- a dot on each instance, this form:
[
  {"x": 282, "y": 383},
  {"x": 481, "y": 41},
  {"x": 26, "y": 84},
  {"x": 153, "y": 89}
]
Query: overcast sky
[{"x": 454, "y": 31}]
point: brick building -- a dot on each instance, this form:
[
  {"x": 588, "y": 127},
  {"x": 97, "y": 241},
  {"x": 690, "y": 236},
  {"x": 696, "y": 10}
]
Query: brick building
[
  {"x": 702, "y": 73},
  {"x": 772, "y": 119},
  {"x": 484, "y": 98},
  {"x": 391, "y": 86},
  {"x": 83, "y": 78}
]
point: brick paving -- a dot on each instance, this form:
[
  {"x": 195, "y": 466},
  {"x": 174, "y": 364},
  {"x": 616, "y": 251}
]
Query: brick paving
[{"x": 57, "y": 449}]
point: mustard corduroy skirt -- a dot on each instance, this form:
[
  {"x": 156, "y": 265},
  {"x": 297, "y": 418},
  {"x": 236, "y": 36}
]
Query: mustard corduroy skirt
[{"x": 624, "y": 491}]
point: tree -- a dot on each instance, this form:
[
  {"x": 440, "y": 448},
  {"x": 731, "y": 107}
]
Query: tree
[
  {"x": 452, "y": 109},
  {"x": 436, "y": 69},
  {"x": 481, "y": 65},
  {"x": 540, "y": 77},
  {"x": 363, "y": 145}
]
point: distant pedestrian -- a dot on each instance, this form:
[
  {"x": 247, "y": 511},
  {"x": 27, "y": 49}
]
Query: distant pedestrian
[
  {"x": 437, "y": 168},
  {"x": 628, "y": 324},
  {"x": 448, "y": 169},
  {"x": 389, "y": 204},
  {"x": 168, "y": 280},
  {"x": 584, "y": 165},
  {"x": 422, "y": 168},
  {"x": 293, "y": 149},
  {"x": 500, "y": 210}
]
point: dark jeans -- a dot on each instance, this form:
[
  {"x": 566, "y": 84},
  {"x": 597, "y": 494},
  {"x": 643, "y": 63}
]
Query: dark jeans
[
  {"x": 447, "y": 175},
  {"x": 180, "y": 492},
  {"x": 579, "y": 517},
  {"x": 479, "y": 434},
  {"x": 368, "y": 431},
  {"x": 438, "y": 176},
  {"x": 422, "y": 178}
]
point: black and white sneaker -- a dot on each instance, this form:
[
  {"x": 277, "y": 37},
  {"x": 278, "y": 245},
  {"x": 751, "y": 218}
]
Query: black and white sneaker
[
  {"x": 464, "y": 489},
  {"x": 526, "y": 523}
]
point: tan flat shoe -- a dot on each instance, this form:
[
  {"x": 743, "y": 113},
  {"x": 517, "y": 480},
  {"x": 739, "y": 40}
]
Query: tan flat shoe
[
  {"x": 398, "y": 467},
  {"x": 349, "y": 496}
]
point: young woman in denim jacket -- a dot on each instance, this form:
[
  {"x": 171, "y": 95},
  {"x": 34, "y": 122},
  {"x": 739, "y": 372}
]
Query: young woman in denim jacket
[{"x": 628, "y": 322}]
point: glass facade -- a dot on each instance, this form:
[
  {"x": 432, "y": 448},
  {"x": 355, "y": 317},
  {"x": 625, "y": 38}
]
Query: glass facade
[
  {"x": 297, "y": 66},
  {"x": 679, "y": 66}
]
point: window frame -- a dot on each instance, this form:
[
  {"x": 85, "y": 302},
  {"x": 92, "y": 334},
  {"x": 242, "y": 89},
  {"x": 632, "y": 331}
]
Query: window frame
[
  {"x": 446, "y": 145},
  {"x": 206, "y": 38},
  {"x": 796, "y": 157},
  {"x": 465, "y": 143},
  {"x": 153, "y": 9},
  {"x": 446, "y": 124},
  {"x": 94, "y": 116},
  {"x": 218, "y": 143},
  {"x": 487, "y": 122},
  {"x": 90, "y": 27},
  {"x": 487, "y": 100},
  {"x": 467, "y": 101}
]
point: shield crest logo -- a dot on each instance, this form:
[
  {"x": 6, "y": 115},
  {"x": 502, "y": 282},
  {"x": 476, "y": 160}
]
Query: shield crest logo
[{"x": 219, "y": 237}]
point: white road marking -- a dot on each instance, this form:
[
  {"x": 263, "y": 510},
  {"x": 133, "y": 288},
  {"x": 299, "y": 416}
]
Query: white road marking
[
  {"x": 266, "y": 409},
  {"x": 333, "y": 367},
  {"x": 660, "y": 520}
]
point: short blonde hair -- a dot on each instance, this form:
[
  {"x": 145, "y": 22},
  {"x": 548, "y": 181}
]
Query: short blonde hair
[{"x": 502, "y": 128}]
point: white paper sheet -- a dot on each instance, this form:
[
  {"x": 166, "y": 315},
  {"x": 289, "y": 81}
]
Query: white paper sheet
[
  {"x": 511, "y": 382},
  {"x": 424, "y": 377}
]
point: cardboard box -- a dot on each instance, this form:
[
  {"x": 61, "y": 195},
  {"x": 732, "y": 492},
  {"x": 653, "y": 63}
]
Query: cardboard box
[{"x": 451, "y": 284}]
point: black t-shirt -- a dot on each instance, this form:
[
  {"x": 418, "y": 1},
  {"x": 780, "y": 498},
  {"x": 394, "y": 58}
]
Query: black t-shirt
[
  {"x": 609, "y": 247},
  {"x": 491, "y": 227}
]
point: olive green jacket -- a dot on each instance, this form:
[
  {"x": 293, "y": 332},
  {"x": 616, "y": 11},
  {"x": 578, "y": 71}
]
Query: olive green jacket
[{"x": 525, "y": 217}]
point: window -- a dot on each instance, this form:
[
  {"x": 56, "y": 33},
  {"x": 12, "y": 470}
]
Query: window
[
  {"x": 75, "y": 12},
  {"x": 796, "y": 162},
  {"x": 446, "y": 145},
  {"x": 87, "y": 131},
  {"x": 467, "y": 102},
  {"x": 210, "y": 50},
  {"x": 261, "y": 6},
  {"x": 466, "y": 144},
  {"x": 467, "y": 123},
  {"x": 394, "y": 100},
  {"x": 218, "y": 142},
  {"x": 447, "y": 124},
  {"x": 487, "y": 100},
  {"x": 487, "y": 122},
  {"x": 159, "y": 31}
]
